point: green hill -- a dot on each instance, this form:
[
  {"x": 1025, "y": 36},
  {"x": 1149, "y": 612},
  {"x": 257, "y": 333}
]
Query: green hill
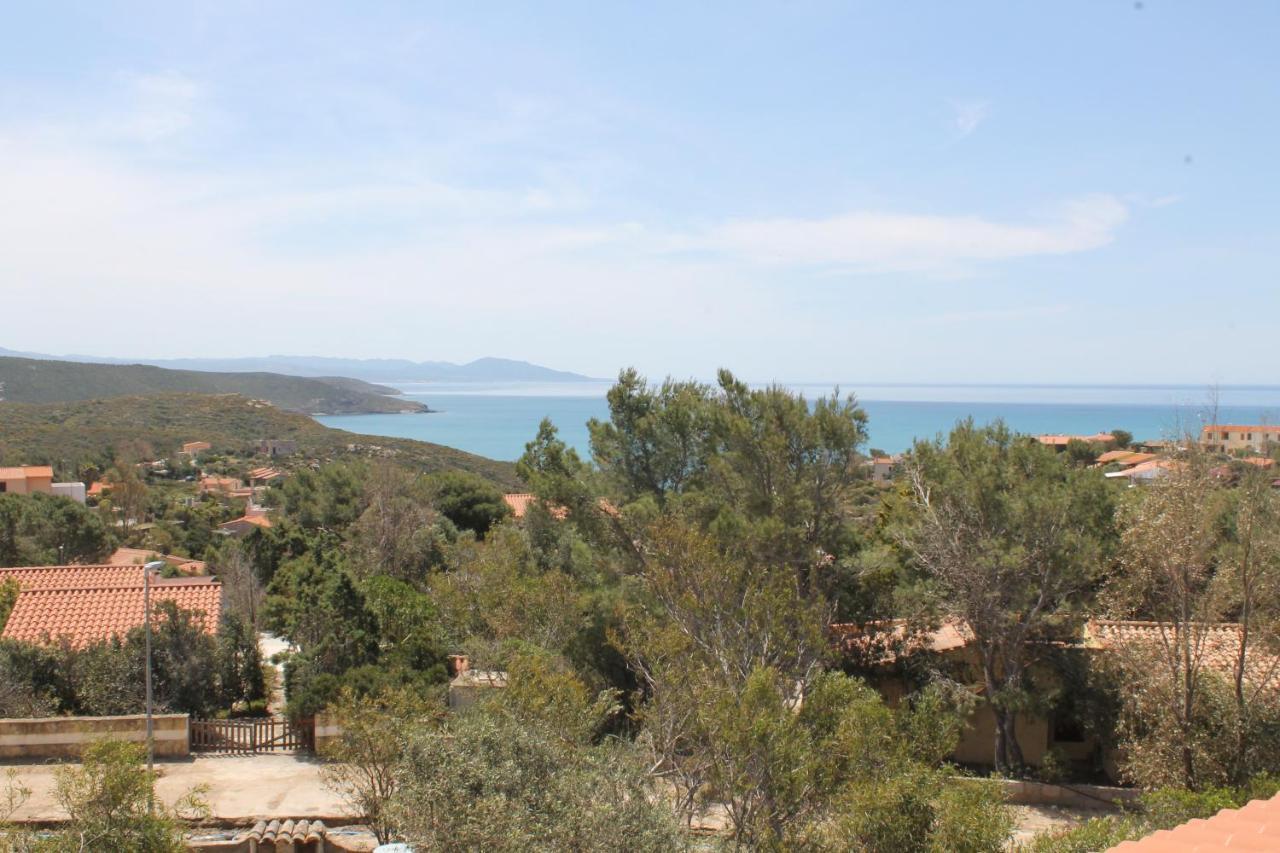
[
  {"x": 68, "y": 435},
  {"x": 29, "y": 380}
]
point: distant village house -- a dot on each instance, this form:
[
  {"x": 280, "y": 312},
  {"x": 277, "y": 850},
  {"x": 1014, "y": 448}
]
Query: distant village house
[
  {"x": 38, "y": 479},
  {"x": 1229, "y": 438}
]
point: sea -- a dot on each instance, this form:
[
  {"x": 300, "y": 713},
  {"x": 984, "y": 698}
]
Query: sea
[{"x": 497, "y": 420}]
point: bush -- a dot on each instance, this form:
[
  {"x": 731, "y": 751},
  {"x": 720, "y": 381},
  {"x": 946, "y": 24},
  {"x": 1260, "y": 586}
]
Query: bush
[
  {"x": 1164, "y": 808},
  {"x": 110, "y": 802}
]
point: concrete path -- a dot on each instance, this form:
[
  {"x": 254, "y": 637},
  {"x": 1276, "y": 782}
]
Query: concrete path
[{"x": 241, "y": 788}]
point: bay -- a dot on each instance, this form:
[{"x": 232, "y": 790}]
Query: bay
[{"x": 496, "y": 420}]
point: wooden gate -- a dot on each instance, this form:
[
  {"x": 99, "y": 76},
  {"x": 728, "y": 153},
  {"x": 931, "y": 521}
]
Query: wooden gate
[{"x": 266, "y": 734}]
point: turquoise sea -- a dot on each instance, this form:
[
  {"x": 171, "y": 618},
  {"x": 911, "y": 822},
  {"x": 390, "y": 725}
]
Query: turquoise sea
[{"x": 496, "y": 420}]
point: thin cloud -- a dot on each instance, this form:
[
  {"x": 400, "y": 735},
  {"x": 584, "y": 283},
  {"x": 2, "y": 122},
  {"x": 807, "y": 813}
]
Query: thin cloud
[
  {"x": 967, "y": 115},
  {"x": 877, "y": 241}
]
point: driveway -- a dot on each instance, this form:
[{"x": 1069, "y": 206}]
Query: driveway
[{"x": 241, "y": 788}]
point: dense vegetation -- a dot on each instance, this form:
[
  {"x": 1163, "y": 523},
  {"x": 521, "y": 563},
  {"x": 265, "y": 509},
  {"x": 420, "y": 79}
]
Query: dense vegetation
[
  {"x": 28, "y": 380},
  {"x": 70, "y": 436},
  {"x": 193, "y": 672},
  {"x": 663, "y": 615}
]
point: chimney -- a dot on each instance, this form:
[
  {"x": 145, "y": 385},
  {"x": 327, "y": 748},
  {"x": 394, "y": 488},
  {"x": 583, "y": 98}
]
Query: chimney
[{"x": 460, "y": 664}]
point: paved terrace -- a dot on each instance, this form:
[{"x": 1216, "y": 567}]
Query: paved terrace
[{"x": 241, "y": 788}]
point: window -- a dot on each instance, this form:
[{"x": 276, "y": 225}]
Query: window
[{"x": 1067, "y": 730}]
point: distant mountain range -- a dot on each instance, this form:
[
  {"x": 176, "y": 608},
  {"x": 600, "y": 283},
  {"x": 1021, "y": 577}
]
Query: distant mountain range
[
  {"x": 29, "y": 380},
  {"x": 369, "y": 369}
]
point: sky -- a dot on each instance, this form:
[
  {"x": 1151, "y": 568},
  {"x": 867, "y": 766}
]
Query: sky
[{"x": 1067, "y": 192}]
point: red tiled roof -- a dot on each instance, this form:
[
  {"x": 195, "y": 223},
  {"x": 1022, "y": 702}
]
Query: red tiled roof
[
  {"x": 1240, "y": 427},
  {"x": 141, "y": 556},
  {"x": 519, "y": 503},
  {"x": 82, "y": 577},
  {"x": 884, "y": 641},
  {"x": 23, "y": 471},
  {"x": 1062, "y": 440},
  {"x": 86, "y": 604},
  {"x": 257, "y": 520},
  {"x": 1219, "y": 645},
  {"x": 1256, "y": 826},
  {"x": 1260, "y": 461}
]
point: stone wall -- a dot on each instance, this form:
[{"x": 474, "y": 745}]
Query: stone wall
[
  {"x": 66, "y": 737},
  {"x": 327, "y": 731}
]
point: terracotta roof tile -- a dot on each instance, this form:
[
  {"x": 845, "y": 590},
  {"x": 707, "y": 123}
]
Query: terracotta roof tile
[
  {"x": 519, "y": 503},
  {"x": 1219, "y": 645},
  {"x": 1256, "y": 826},
  {"x": 78, "y": 577},
  {"x": 1240, "y": 427},
  {"x": 87, "y": 604},
  {"x": 140, "y": 556},
  {"x": 883, "y": 641}
]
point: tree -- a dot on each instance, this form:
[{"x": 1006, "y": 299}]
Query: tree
[
  {"x": 1123, "y": 439},
  {"x": 8, "y": 597},
  {"x": 1010, "y": 540},
  {"x": 185, "y": 664},
  {"x": 328, "y": 499},
  {"x": 395, "y": 534},
  {"x": 469, "y": 501},
  {"x": 492, "y": 779},
  {"x": 1195, "y": 552},
  {"x": 42, "y": 529},
  {"x": 365, "y": 758},
  {"x": 762, "y": 469},
  {"x": 836, "y": 769},
  {"x": 242, "y": 591},
  {"x": 128, "y": 495}
]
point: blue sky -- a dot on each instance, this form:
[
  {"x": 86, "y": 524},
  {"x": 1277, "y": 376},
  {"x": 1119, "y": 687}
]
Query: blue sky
[{"x": 861, "y": 192}]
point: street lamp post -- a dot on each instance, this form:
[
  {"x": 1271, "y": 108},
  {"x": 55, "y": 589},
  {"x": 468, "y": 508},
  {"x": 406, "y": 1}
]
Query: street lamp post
[{"x": 155, "y": 565}]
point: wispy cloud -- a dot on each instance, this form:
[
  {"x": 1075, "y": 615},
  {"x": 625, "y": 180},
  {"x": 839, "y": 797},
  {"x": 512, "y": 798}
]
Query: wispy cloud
[
  {"x": 966, "y": 115},
  {"x": 877, "y": 241}
]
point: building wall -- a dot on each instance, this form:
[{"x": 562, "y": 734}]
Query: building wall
[
  {"x": 977, "y": 743},
  {"x": 327, "y": 731},
  {"x": 1254, "y": 438},
  {"x": 75, "y": 491},
  {"x": 66, "y": 737},
  {"x": 28, "y": 485}
]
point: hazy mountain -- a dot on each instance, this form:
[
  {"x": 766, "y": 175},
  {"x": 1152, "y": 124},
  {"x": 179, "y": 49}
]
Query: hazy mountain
[
  {"x": 28, "y": 380},
  {"x": 372, "y": 369}
]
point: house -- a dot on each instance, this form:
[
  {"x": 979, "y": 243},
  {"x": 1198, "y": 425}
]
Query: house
[
  {"x": 1125, "y": 458},
  {"x": 141, "y": 556},
  {"x": 1144, "y": 472},
  {"x": 1217, "y": 643},
  {"x": 191, "y": 448},
  {"x": 212, "y": 484},
  {"x": 81, "y": 605},
  {"x": 33, "y": 479},
  {"x": 883, "y": 469},
  {"x": 254, "y": 518},
  {"x": 263, "y": 476},
  {"x": 881, "y": 651},
  {"x": 520, "y": 502},
  {"x": 1227, "y": 438},
  {"x": 1254, "y": 826},
  {"x": 1059, "y": 442},
  {"x": 27, "y": 479},
  {"x": 470, "y": 685},
  {"x": 274, "y": 447}
]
